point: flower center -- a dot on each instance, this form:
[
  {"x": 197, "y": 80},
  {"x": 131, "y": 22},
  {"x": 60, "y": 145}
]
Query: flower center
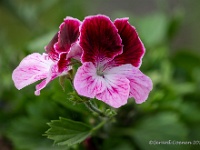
[{"x": 100, "y": 72}]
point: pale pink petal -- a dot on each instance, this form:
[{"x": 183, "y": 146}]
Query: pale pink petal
[
  {"x": 116, "y": 90},
  {"x": 124, "y": 70},
  {"x": 140, "y": 84},
  {"x": 40, "y": 86},
  {"x": 112, "y": 89},
  {"x": 57, "y": 69},
  {"x": 87, "y": 82},
  {"x": 32, "y": 68},
  {"x": 52, "y": 74}
]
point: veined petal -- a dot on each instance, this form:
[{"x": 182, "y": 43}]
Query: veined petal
[
  {"x": 99, "y": 39},
  {"x": 50, "y": 48},
  {"x": 68, "y": 34},
  {"x": 87, "y": 82},
  {"x": 59, "y": 68},
  {"x": 52, "y": 74},
  {"x": 112, "y": 89},
  {"x": 140, "y": 84},
  {"x": 116, "y": 91},
  {"x": 133, "y": 49},
  {"x": 32, "y": 68}
]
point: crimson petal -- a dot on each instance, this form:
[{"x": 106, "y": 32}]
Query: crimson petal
[
  {"x": 99, "y": 39},
  {"x": 63, "y": 62},
  {"x": 50, "y": 48},
  {"x": 68, "y": 34},
  {"x": 133, "y": 49}
]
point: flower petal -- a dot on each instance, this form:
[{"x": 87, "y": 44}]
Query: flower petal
[
  {"x": 32, "y": 68},
  {"x": 112, "y": 89},
  {"x": 99, "y": 39},
  {"x": 63, "y": 63},
  {"x": 68, "y": 34},
  {"x": 87, "y": 82},
  {"x": 50, "y": 48},
  {"x": 133, "y": 49},
  {"x": 75, "y": 52},
  {"x": 140, "y": 84},
  {"x": 52, "y": 74},
  {"x": 116, "y": 90}
]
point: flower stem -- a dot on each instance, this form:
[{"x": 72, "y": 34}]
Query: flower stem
[
  {"x": 92, "y": 108},
  {"x": 101, "y": 124}
]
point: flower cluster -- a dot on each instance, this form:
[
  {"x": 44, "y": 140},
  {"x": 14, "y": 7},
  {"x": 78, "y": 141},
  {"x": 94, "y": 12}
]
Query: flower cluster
[{"x": 110, "y": 54}]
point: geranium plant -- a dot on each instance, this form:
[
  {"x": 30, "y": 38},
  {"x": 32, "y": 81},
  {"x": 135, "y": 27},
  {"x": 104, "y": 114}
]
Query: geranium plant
[{"x": 108, "y": 55}]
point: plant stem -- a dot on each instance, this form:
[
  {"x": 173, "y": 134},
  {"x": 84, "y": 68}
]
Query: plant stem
[
  {"x": 101, "y": 124},
  {"x": 92, "y": 108}
]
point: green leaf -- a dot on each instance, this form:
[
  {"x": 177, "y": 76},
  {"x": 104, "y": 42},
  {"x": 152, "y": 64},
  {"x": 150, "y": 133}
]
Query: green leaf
[
  {"x": 26, "y": 133},
  {"x": 31, "y": 124},
  {"x": 67, "y": 132}
]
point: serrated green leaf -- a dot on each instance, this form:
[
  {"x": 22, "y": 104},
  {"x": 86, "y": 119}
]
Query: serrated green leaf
[{"x": 67, "y": 132}]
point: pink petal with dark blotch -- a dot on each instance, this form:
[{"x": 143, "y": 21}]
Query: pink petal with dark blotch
[
  {"x": 57, "y": 69},
  {"x": 99, "y": 39},
  {"x": 32, "y": 68},
  {"x": 112, "y": 89},
  {"x": 140, "y": 84},
  {"x": 50, "y": 48},
  {"x": 133, "y": 49},
  {"x": 68, "y": 34}
]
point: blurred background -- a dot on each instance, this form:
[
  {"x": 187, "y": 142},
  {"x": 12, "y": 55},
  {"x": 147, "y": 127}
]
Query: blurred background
[{"x": 171, "y": 35}]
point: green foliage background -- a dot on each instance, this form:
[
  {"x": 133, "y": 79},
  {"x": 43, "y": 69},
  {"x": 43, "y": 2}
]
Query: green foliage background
[{"x": 170, "y": 113}]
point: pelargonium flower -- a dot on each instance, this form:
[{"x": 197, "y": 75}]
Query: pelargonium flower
[
  {"x": 55, "y": 62},
  {"x": 112, "y": 55}
]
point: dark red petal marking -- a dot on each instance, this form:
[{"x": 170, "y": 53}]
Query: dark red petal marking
[
  {"x": 133, "y": 49},
  {"x": 50, "y": 48},
  {"x": 68, "y": 34},
  {"x": 63, "y": 62},
  {"x": 99, "y": 39}
]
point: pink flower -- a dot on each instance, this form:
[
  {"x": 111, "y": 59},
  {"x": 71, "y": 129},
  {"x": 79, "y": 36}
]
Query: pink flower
[
  {"x": 111, "y": 58},
  {"x": 55, "y": 62}
]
